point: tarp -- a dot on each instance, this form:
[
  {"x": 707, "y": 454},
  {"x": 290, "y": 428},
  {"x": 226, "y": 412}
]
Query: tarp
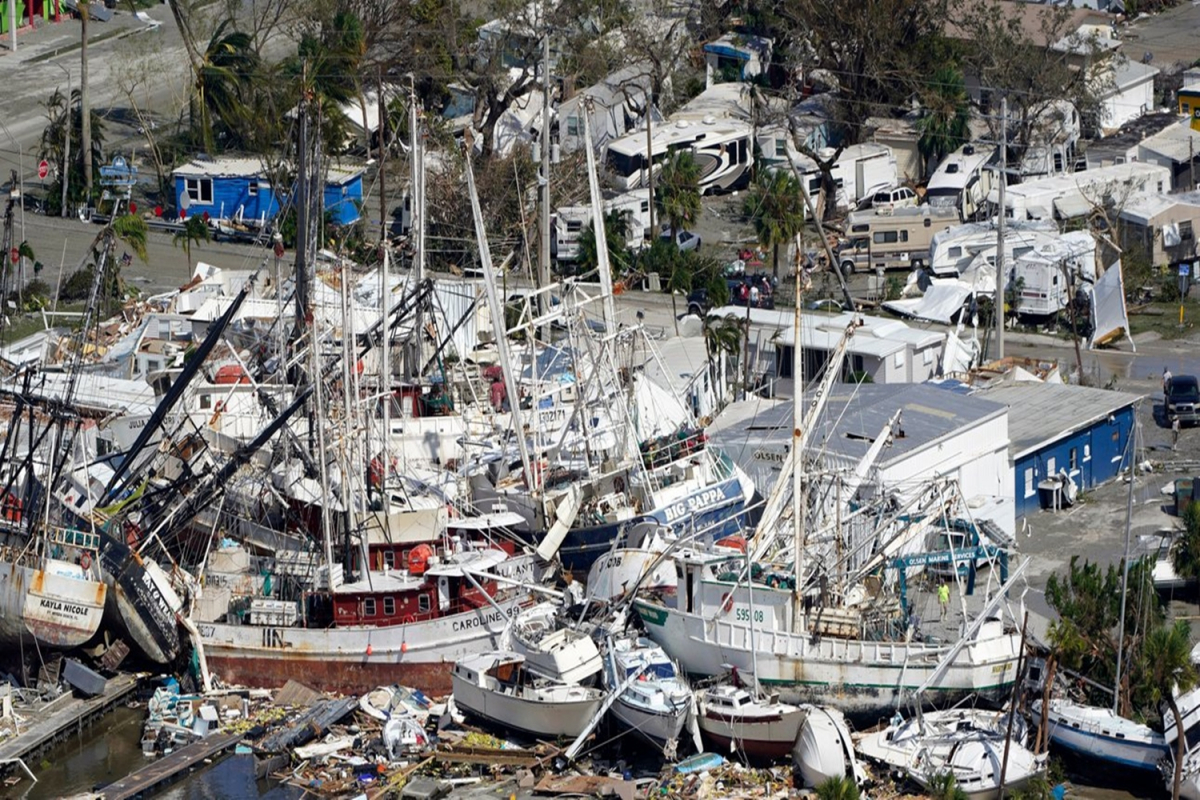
[
  {"x": 957, "y": 355},
  {"x": 941, "y": 302},
  {"x": 1108, "y": 309}
]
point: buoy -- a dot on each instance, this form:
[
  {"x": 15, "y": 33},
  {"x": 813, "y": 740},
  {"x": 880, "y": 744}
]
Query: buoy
[
  {"x": 404, "y": 647},
  {"x": 370, "y": 649}
]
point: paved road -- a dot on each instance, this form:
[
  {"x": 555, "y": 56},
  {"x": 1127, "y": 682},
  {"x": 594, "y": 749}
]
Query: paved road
[{"x": 1171, "y": 36}]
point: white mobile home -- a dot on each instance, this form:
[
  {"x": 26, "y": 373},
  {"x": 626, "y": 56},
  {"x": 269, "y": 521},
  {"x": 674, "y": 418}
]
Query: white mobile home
[
  {"x": 1044, "y": 277},
  {"x": 617, "y": 103},
  {"x": 1070, "y": 196},
  {"x": 714, "y": 126},
  {"x": 571, "y": 221},
  {"x": 953, "y": 249},
  {"x": 962, "y": 180},
  {"x": 1161, "y": 226}
]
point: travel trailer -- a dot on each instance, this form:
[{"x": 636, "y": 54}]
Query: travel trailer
[
  {"x": 962, "y": 181},
  {"x": 1066, "y": 197},
  {"x": 892, "y": 239},
  {"x": 571, "y": 221},
  {"x": 1046, "y": 276},
  {"x": 860, "y": 171},
  {"x": 953, "y": 249}
]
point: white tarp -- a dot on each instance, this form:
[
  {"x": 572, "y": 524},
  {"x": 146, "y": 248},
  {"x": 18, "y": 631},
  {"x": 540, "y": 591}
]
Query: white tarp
[
  {"x": 1108, "y": 309},
  {"x": 944, "y": 298},
  {"x": 957, "y": 355}
]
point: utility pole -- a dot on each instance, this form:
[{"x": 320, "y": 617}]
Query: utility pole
[
  {"x": 84, "y": 110},
  {"x": 544, "y": 239},
  {"x": 999, "y": 310}
]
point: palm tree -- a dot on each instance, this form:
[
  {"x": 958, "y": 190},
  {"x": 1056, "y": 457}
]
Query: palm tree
[
  {"x": 224, "y": 81},
  {"x": 775, "y": 206},
  {"x": 131, "y": 229},
  {"x": 838, "y": 789},
  {"x": 1168, "y": 669},
  {"x": 194, "y": 229},
  {"x": 65, "y": 124},
  {"x": 943, "y": 786},
  {"x": 722, "y": 335},
  {"x": 944, "y": 125},
  {"x": 616, "y": 223},
  {"x": 677, "y": 192}
]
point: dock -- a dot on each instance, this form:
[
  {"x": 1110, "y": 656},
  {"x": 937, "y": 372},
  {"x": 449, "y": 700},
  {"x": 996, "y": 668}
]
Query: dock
[
  {"x": 153, "y": 776},
  {"x": 64, "y": 720}
]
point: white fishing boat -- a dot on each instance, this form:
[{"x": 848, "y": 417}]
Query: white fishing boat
[
  {"x": 824, "y": 749},
  {"x": 552, "y": 649},
  {"x": 1100, "y": 735},
  {"x": 497, "y": 687},
  {"x": 657, "y": 702},
  {"x": 735, "y": 720},
  {"x": 636, "y": 565}
]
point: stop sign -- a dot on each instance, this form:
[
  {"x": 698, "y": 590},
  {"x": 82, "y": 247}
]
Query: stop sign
[{"x": 43, "y": 169}]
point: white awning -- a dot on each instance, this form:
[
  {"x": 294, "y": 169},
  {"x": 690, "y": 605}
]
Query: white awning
[{"x": 1071, "y": 205}]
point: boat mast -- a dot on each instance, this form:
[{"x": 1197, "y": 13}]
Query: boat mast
[
  {"x": 1132, "y": 453},
  {"x": 499, "y": 329},
  {"x": 606, "y": 285},
  {"x": 797, "y": 466}
]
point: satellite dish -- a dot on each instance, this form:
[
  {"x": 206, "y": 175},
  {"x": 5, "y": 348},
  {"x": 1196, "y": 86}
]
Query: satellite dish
[{"x": 185, "y": 201}]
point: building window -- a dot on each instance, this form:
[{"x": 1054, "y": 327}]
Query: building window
[
  {"x": 899, "y": 360},
  {"x": 780, "y": 147},
  {"x": 200, "y": 190},
  {"x": 389, "y": 606},
  {"x": 252, "y": 189},
  {"x": 1051, "y": 463},
  {"x": 1029, "y": 481},
  {"x": 1074, "y": 458},
  {"x": 389, "y": 559},
  {"x": 369, "y": 607},
  {"x": 1185, "y": 230},
  {"x": 1087, "y": 452},
  {"x": 573, "y": 126},
  {"x": 423, "y": 605},
  {"x": 927, "y": 356}
]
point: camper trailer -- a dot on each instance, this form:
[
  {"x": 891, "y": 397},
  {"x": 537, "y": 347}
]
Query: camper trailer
[
  {"x": 1074, "y": 195},
  {"x": 1048, "y": 276},
  {"x": 721, "y": 148},
  {"x": 962, "y": 181},
  {"x": 892, "y": 239},
  {"x": 954, "y": 248},
  {"x": 570, "y": 221},
  {"x": 859, "y": 172}
]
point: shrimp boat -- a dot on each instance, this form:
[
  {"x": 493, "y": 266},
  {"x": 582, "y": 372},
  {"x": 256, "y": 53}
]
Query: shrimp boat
[
  {"x": 55, "y": 602},
  {"x": 497, "y": 687},
  {"x": 733, "y": 719}
]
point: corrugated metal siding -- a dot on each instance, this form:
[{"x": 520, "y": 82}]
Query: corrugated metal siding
[{"x": 454, "y": 299}]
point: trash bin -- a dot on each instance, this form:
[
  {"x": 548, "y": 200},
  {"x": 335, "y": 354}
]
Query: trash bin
[{"x": 1183, "y": 494}]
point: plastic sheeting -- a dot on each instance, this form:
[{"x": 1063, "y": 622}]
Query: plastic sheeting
[
  {"x": 957, "y": 355},
  {"x": 942, "y": 301},
  {"x": 1108, "y": 309}
]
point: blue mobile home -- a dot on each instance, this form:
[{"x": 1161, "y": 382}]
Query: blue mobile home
[
  {"x": 1056, "y": 427},
  {"x": 238, "y": 188}
]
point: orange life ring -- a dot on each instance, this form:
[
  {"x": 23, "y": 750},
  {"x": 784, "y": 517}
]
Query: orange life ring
[{"x": 85, "y": 560}]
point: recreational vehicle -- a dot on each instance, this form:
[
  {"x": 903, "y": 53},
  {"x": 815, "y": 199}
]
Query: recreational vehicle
[
  {"x": 892, "y": 239},
  {"x": 954, "y": 248},
  {"x": 860, "y": 171},
  {"x": 1066, "y": 197},
  {"x": 571, "y": 221},
  {"x": 1046, "y": 277},
  {"x": 962, "y": 180}
]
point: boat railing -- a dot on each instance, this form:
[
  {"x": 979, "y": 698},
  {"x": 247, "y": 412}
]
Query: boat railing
[{"x": 71, "y": 537}]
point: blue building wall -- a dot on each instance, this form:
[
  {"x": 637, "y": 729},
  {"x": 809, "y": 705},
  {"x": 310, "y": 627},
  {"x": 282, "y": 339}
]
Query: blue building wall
[
  {"x": 1091, "y": 456},
  {"x": 256, "y": 198}
]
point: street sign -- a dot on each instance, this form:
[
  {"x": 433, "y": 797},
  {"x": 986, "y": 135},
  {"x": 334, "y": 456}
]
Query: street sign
[
  {"x": 43, "y": 169},
  {"x": 1185, "y": 270}
]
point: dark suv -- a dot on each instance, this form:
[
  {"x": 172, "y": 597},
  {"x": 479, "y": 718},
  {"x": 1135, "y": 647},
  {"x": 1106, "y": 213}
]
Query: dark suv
[{"x": 1182, "y": 400}]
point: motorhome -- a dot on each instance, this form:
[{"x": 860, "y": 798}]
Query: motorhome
[
  {"x": 1074, "y": 195},
  {"x": 570, "y": 221},
  {"x": 892, "y": 239},
  {"x": 860, "y": 171},
  {"x": 953, "y": 249},
  {"x": 1047, "y": 278},
  {"x": 962, "y": 181}
]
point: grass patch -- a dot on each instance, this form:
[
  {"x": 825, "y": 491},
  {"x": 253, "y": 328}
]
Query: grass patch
[{"x": 1163, "y": 319}]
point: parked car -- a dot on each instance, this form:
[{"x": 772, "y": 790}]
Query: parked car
[
  {"x": 891, "y": 198},
  {"x": 1182, "y": 400},
  {"x": 684, "y": 240}
]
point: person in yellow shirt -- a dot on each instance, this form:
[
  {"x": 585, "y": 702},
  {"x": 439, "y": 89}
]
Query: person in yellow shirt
[{"x": 944, "y": 598}]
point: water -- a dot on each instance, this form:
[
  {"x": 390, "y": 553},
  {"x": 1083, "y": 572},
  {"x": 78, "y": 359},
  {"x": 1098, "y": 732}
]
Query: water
[{"x": 111, "y": 749}]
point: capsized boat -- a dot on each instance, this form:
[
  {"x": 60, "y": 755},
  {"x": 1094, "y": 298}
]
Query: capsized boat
[
  {"x": 1102, "y": 736},
  {"x": 734, "y": 720},
  {"x": 498, "y": 687},
  {"x": 553, "y": 649},
  {"x": 657, "y": 702},
  {"x": 824, "y": 749}
]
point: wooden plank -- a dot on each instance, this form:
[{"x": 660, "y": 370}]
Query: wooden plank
[{"x": 168, "y": 767}]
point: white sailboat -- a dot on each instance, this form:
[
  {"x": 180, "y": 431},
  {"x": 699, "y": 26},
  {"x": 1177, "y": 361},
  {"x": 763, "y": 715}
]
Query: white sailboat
[
  {"x": 657, "y": 702},
  {"x": 498, "y": 687}
]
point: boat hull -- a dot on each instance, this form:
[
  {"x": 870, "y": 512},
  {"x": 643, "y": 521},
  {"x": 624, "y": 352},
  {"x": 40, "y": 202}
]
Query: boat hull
[
  {"x": 53, "y": 610},
  {"x": 137, "y": 604},
  {"x": 353, "y": 660},
  {"x": 659, "y": 727},
  {"x": 1093, "y": 745},
  {"x": 856, "y": 677},
  {"x": 558, "y": 718},
  {"x": 757, "y": 739}
]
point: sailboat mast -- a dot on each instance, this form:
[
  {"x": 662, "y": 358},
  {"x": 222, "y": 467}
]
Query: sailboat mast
[
  {"x": 1125, "y": 569},
  {"x": 606, "y": 285},
  {"x": 797, "y": 461}
]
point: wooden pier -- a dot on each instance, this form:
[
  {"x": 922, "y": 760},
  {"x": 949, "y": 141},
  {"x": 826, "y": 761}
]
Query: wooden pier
[
  {"x": 154, "y": 776},
  {"x": 69, "y": 718}
]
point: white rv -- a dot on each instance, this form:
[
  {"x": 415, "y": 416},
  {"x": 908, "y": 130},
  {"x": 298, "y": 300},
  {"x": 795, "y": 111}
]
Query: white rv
[
  {"x": 1049, "y": 275},
  {"x": 570, "y": 222},
  {"x": 963, "y": 179},
  {"x": 860, "y": 171},
  {"x": 954, "y": 248},
  {"x": 1074, "y": 195}
]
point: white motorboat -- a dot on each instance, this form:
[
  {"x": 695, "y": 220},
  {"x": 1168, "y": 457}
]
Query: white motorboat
[
  {"x": 824, "y": 749},
  {"x": 554, "y": 650},
  {"x": 735, "y": 720},
  {"x": 657, "y": 702},
  {"x": 498, "y": 687},
  {"x": 1101, "y": 735}
]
